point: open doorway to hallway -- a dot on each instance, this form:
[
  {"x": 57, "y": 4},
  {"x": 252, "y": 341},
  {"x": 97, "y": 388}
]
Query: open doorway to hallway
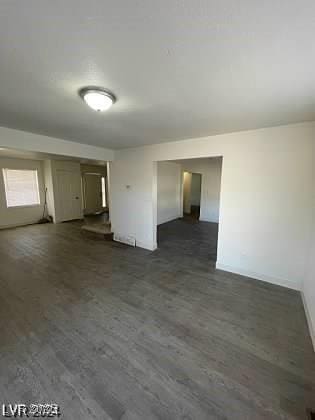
[
  {"x": 192, "y": 194},
  {"x": 95, "y": 198},
  {"x": 188, "y": 207},
  {"x": 94, "y": 189}
]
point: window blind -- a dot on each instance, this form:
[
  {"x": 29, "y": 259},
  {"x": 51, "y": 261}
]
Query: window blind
[{"x": 21, "y": 187}]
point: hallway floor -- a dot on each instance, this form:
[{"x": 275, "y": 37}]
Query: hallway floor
[
  {"x": 112, "y": 332},
  {"x": 189, "y": 238},
  {"x": 97, "y": 224}
]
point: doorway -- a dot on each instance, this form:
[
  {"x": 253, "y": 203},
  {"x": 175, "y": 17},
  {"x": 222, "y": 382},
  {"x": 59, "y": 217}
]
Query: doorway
[
  {"x": 188, "y": 206},
  {"x": 93, "y": 195},
  {"x": 95, "y": 199},
  {"x": 192, "y": 194},
  {"x": 94, "y": 189}
]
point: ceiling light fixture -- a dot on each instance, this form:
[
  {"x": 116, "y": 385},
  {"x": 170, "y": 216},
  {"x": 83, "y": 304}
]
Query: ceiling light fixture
[{"x": 97, "y": 98}]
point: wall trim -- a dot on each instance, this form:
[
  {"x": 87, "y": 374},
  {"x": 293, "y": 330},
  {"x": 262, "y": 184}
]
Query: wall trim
[
  {"x": 146, "y": 245},
  {"x": 125, "y": 239},
  {"x": 258, "y": 276},
  {"x": 169, "y": 219},
  {"x": 31, "y": 142},
  {"x": 311, "y": 327},
  {"x": 206, "y": 219},
  {"x": 16, "y": 225},
  {"x": 132, "y": 241}
]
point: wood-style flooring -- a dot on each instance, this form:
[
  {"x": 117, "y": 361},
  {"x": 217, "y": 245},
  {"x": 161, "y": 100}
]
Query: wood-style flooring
[{"x": 112, "y": 332}]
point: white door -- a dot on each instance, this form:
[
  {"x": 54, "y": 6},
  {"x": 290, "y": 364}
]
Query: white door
[{"x": 69, "y": 195}]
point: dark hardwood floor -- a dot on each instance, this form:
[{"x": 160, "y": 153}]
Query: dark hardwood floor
[
  {"x": 190, "y": 241},
  {"x": 112, "y": 332}
]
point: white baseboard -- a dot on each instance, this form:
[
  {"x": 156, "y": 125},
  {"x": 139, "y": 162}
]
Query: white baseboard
[
  {"x": 169, "y": 219},
  {"x": 132, "y": 241},
  {"x": 19, "y": 224},
  {"x": 146, "y": 245},
  {"x": 309, "y": 320},
  {"x": 124, "y": 239},
  {"x": 258, "y": 276},
  {"x": 204, "y": 219}
]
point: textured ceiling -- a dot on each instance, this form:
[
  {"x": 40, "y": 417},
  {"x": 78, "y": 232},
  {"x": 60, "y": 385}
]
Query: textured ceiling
[{"x": 179, "y": 68}]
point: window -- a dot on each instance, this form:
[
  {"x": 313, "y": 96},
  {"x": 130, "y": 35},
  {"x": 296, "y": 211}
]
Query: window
[
  {"x": 21, "y": 187},
  {"x": 103, "y": 192}
]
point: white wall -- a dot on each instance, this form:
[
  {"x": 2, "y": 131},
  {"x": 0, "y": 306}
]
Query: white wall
[
  {"x": 266, "y": 189},
  {"x": 195, "y": 196},
  {"x": 169, "y": 201},
  {"x": 15, "y": 216},
  {"x": 22, "y": 140},
  {"x": 109, "y": 196},
  {"x": 210, "y": 170},
  {"x": 134, "y": 201},
  {"x": 308, "y": 286},
  {"x": 168, "y": 191}
]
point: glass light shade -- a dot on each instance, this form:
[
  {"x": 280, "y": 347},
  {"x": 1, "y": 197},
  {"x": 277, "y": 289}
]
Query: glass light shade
[{"x": 98, "y": 100}]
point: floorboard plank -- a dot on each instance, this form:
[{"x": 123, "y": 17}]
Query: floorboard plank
[{"x": 112, "y": 332}]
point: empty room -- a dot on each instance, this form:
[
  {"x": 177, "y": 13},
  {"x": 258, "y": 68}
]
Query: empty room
[{"x": 157, "y": 210}]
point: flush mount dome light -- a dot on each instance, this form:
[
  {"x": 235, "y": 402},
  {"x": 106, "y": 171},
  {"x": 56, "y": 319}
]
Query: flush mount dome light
[{"x": 97, "y": 98}]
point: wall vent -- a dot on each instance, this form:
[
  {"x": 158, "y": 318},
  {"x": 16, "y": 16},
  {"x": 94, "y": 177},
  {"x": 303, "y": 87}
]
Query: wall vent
[{"x": 128, "y": 240}]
